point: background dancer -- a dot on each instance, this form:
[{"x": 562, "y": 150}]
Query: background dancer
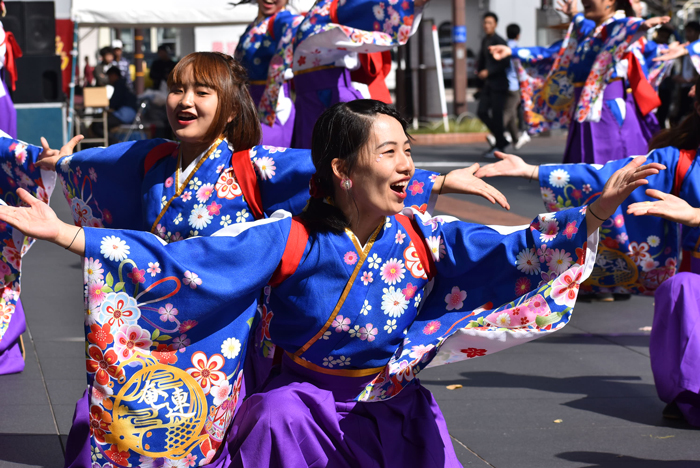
[
  {"x": 324, "y": 49},
  {"x": 636, "y": 254},
  {"x": 256, "y": 49},
  {"x": 674, "y": 348},
  {"x": 577, "y": 85},
  {"x": 9, "y": 51}
]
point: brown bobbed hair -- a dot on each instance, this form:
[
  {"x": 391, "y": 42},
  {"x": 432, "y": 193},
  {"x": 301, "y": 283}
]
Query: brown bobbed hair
[
  {"x": 686, "y": 135},
  {"x": 228, "y": 78}
]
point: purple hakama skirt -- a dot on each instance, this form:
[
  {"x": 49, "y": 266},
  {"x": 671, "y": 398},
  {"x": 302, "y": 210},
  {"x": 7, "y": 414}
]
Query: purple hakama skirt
[
  {"x": 302, "y": 418},
  {"x": 607, "y": 140},
  {"x": 11, "y": 355},
  {"x": 280, "y": 134},
  {"x": 317, "y": 91},
  {"x": 8, "y": 114},
  {"x": 675, "y": 344}
]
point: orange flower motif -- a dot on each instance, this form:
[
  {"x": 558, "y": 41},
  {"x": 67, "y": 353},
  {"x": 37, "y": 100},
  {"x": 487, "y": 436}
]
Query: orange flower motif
[
  {"x": 165, "y": 354},
  {"x": 99, "y": 423}
]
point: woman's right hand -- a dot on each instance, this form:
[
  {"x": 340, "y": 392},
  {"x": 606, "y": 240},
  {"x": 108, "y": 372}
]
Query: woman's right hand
[
  {"x": 567, "y": 7},
  {"x": 49, "y": 157},
  {"x": 509, "y": 165},
  {"x": 674, "y": 51},
  {"x": 500, "y": 52},
  {"x": 37, "y": 219},
  {"x": 669, "y": 207}
]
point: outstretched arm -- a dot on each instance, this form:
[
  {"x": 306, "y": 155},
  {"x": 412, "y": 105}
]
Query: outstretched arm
[
  {"x": 669, "y": 207},
  {"x": 509, "y": 165},
  {"x": 620, "y": 185},
  {"x": 38, "y": 220},
  {"x": 49, "y": 157},
  {"x": 466, "y": 181}
]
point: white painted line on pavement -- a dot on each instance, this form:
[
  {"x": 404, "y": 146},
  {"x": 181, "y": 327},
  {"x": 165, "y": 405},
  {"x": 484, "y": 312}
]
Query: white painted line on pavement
[{"x": 443, "y": 163}]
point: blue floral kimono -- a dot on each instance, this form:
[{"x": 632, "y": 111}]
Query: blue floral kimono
[
  {"x": 18, "y": 170},
  {"x": 136, "y": 185},
  {"x": 347, "y": 310},
  {"x": 256, "y": 51},
  {"x": 636, "y": 254},
  {"x": 323, "y": 48},
  {"x": 581, "y": 84}
]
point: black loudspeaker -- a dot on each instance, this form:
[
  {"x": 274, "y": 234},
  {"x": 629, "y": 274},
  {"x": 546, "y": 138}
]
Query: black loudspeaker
[
  {"x": 39, "y": 79},
  {"x": 34, "y": 26}
]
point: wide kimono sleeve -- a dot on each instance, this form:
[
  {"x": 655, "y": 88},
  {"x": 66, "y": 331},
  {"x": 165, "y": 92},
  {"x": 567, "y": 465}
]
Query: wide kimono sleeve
[
  {"x": 166, "y": 333},
  {"x": 103, "y": 186},
  {"x": 636, "y": 253},
  {"x": 694, "y": 52},
  {"x": 494, "y": 287},
  {"x": 18, "y": 162},
  {"x": 656, "y": 71},
  {"x": 690, "y": 192},
  {"x": 284, "y": 175}
]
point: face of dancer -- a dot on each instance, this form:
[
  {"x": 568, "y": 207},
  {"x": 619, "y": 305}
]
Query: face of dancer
[
  {"x": 598, "y": 10},
  {"x": 380, "y": 177},
  {"x": 637, "y": 7},
  {"x": 268, "y": 8},
  {"x": 191, "y": 109},
  {"x": 489, "y": 24}
]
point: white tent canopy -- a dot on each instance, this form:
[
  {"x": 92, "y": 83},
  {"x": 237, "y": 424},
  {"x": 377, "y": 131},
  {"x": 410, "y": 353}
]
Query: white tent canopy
[{"x": 161, "y": 13}]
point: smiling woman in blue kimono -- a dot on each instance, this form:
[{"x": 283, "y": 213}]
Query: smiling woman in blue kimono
[
  {"x": 347, "y": 280},
  {"x": 193, "y": 188},
  {"x": 256, "y": 50}
]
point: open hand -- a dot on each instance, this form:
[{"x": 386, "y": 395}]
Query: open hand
[
  {"x": 464, "y": 181},
  {"x": 655, "y": 21},
  {"x": 567, "y": 7},
  {"x": 509, "y": 165},
  {"x": 36, "y": 219},
  {"x": 623, "y": 182},
  {"x": 669, "y": 207},
  {"x": 673, "y": 52},
  {"x": 49, "y": 157},
  {"x": 500, "y": 52}
]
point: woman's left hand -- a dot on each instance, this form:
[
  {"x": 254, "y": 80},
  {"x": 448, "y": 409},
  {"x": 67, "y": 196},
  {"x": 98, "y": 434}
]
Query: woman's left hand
[
  {"x": 674, "y": 51},
  {"x": 464, "y": 181},
  {"x": 655, "y": 21},
  {"x": 623, "y": 182},
  {"x": 669, "y": 207}
]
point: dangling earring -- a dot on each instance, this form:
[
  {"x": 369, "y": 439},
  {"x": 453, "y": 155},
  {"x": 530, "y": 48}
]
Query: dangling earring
[{"x": 346, "y": 184}]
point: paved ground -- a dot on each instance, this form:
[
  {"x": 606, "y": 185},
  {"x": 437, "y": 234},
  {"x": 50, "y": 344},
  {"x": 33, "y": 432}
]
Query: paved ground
[{"x": 593, "y": 377}]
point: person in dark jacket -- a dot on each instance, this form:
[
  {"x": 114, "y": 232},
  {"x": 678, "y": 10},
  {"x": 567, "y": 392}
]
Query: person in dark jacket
[
  {"x": 122, "y": 105},
  {"x": 162, "y": 66},
  {"x": 495, "y": 90}
]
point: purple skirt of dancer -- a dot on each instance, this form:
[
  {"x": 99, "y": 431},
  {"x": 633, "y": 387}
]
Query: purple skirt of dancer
[
  {"x": 675, "y": 344},
  {"x": 317, "y": 91},
  {"x": 8, "y": 114},
  {"x": 607, "y": 140},
  {"x": 280, "y": 134},
  {"x": 11, "y": 357},
  {"x": 302, "y": 418}
]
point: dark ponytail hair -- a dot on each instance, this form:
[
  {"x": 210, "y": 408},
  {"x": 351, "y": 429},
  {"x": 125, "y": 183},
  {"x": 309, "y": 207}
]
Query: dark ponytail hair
[
  {"x": 626, "y": 6},
  {"x": 343, "y": 131},
  {"x": 685, "y": 136},
  {"x": 227, "y": 76}
]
